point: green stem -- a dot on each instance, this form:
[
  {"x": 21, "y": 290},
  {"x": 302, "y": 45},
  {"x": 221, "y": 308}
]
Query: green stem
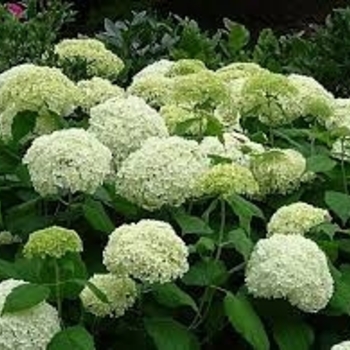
[
  {"x": 343, "y": 169},
  {"x": 58, "y": 293}
]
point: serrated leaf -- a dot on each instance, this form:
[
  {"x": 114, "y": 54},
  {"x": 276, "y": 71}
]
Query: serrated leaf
[
  {"x": 339, "y": 203},
  {"x": 320, "y": 164},
  {"x": 191, "y": 224},
  {"x": 293, "y": 334},
  {"x": 172, "y": 296},
  {"x": 245, "y": 321},
  {"x": 206, "y": 273},
  {"x": 77, "y": 338},
  {"x": 241, "y": 242},
  {"x": 25, "y": 297},
  {"x": 168, "y": 334},
  {"x": 97, "y": 216}
]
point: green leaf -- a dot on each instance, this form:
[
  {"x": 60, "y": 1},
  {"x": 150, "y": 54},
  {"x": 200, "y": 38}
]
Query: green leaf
[
  {"x": 97, "y": 217},
  {"x": 245, "y": 321},
  {"x": 25, "y": 297},
  {"x": 320, "y": 164},
  {"x": 214, "y": 127},
  {"x": 191, "y": 224},
  {"x": 77, "y": 338},
  {"x": 168, "y": 334},
  {"x": 205, "y": 246},
  {"x": 172, "y": 296},
  {"x": 98, "y": 293},
  {"x": 340, "y": 301},
  {"x": 206, "y": 273},
  {"x": 8, "y": 270},
  {"x": 238, "y": 35},
  {"x": 293, "y": 334},
  {"x": 23, "y": 124},
  {"x": 339, "y": 203},
  {"x": 245, "y": 210},
  {"x": 241, "y": 242}
]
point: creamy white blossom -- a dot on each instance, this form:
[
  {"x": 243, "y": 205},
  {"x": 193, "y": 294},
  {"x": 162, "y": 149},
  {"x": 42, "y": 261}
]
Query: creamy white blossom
[
  {"x": 149, "y": 251},
  {"x": 340, "y": 119},
  {"x": 120, "y": 291},
  {"x": 30, "y": 329},
  {"x": 290, "y": 267},
  {"x": 70, "y": 160},
  {"x": 296, "y": 219},
  {"x": 158, "y": 68},
  {"x": 345, "y": 345},
  {"x": 124, "y": 124},
  {"x": 162, "y": 172}
]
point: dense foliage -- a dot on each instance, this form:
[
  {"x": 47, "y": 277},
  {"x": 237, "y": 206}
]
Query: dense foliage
[{"x": 203, "y": 204}]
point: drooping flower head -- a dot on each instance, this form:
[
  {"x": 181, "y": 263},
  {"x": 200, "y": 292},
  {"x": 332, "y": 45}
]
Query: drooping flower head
[
  {"x": 149, "y": 251},
  {"x": 296, "y": 219},
  {"x": 101, "y": 62},
  {"x": 270, "y": 97},
  {"x": 52, "y": 242},
  {"x": 290, "y": 267},
  {"x": 278, "y": 170},
  {"x": 315, "y": 100},
  {"x": 30, "y": 329},
  {"x": 124, "y": 124},
  {"x": 162, "y": 172},
  {"x": 119, "y": 290},
  {"x": 96, "y": 91},
  {"x": 228, "y": 179},
  {"x": 42, "y": 90},
  {"x": 70, "y": 160}
]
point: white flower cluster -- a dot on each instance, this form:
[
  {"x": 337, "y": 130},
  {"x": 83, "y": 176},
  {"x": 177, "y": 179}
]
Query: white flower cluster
[
  {"x": 291, "y": 267},
  {"x": 124, "y": 124},
  {"x": 296, "y": 219},
  {"x": 149, "y": 251},
  {"x": 239, "y": 70},
  {"x": 30, "y": 329},
  {"x": 67, "y": 160},
  {"x": 120, "y": 291},
  {"x": 162, "y": 172},
  {"x": 96, "y": 91},
  {"x": 341, "y": 116},
  {"x": 278, "y": 170},
  {"x": 37, "y": 89},
  {"x": 345, "y": 345},
  {"x": 100, "y": 61}
]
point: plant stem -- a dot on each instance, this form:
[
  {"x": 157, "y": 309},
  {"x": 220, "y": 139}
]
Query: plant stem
[
  {"x": 58, "y": 294},
  {"x": 343, "y": 169}
]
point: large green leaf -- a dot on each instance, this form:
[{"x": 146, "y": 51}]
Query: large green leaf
[
  {"x": 206, "y": 273},
  {"x": 97, "y": 216},
  {"x": 172, "y": 296},
  {"x": 339, "y": 203},
  {"x": 25, "y": 297},
  {"x": 168, "y": 334},
  {"x": 77, "y": 338},
  {"x": 293, "y": 334},
  {"x": 191, "y": 224},
  {"x": 23, "y": 124},
  {"x": 238, "y": 35},
  {"x": 245, "y": 321},
  {"x": 241, "y": 242},
  {"x": 320, "y": 163}
]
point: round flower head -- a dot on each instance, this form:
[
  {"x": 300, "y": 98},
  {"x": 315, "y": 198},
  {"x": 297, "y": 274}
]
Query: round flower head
[
  {"x": 100, "y": 61},
  {"x": 158, "y": 68},
  {"x": 96, "y": 91},
  {"x": 149, "y": 251},
  {"x": 162, "y": 172},
  {"x": 228, "y": 179},
  {"x": 315, "y": 100},
  {"x": 124, "y": 124},
  {"x": 238, "y": 70},
  {"x": 296, "y": 219},
  {"x": 67, "y": 160},
  {"x": 53, "y": 242},
  {"x": 278, "y": 170},
  {"x": 30, "y": 329},
  {"x": 202, "y": 90},
  {"x": 42, "y": 90},
  {"x": 120, "y": 292},
  {"x": 345, "y": 345},
  {"x": 341, "y": 149},
  {"x": 154, "y": 89},
  {"x": 188, "y": 121},
  {"x": 270, "y": 97},
  {"x": 12, "y": 72},
  {"x": 185, "y": 66},
  {"x": 340, "y": 118},
  {"x": 290, "y": 267}
]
